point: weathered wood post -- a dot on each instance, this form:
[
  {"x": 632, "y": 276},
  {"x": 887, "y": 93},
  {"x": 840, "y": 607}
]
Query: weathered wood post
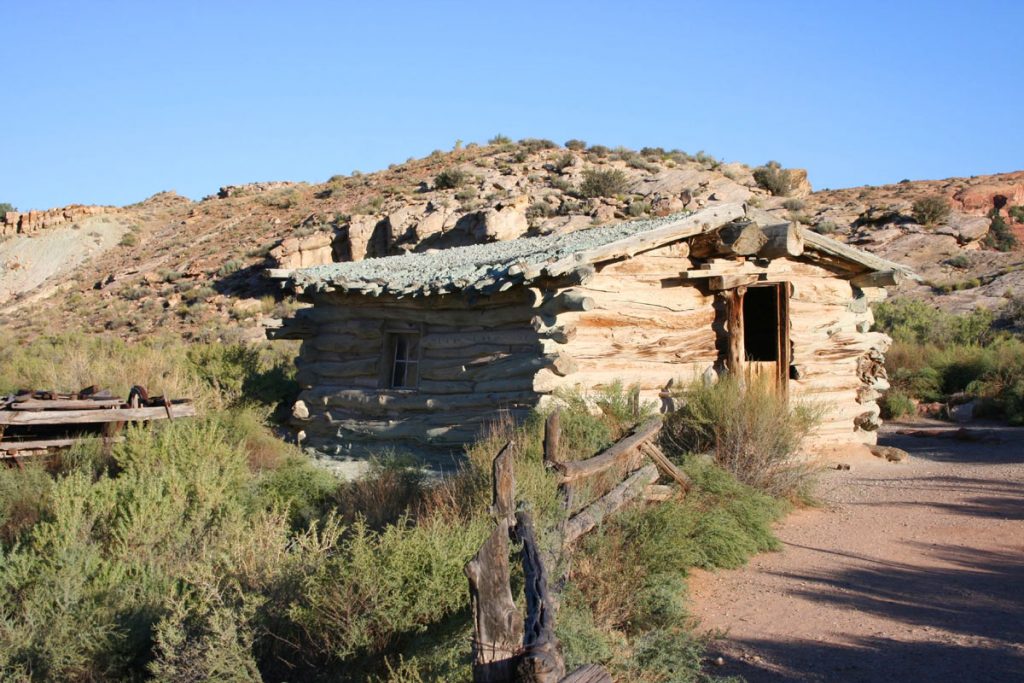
[
  {"x": 541, "y": 660},
  {"x": 497, "y": 625}
]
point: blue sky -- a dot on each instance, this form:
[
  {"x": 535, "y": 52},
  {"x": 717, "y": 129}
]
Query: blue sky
[{"x": 110, "y": 102}]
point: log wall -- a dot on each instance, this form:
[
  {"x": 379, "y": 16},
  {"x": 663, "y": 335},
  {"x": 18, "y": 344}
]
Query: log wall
[
  {"x": 477, "y": 358},
  {"x": 637, "y": 320}
]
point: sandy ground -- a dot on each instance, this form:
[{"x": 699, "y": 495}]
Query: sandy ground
[{"x": 909, "y": 572}]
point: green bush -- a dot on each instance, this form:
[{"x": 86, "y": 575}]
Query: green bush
[
  {"x": 772, "y": 177},
  {"x": 930, "y": 210},
  {"x": 1000, "y": 237},
  {"x": 896, "y": 404},
  {"x": 912, "y": 320},
  {"x": 451, "y": 178},
  {"x": 603, "y": 182},
  {"x": 6, "y": 207},
  {"x": 575, "y": 145},
  {"x": 750, "y": 430},
  {"x": 1015, "y": 212}
]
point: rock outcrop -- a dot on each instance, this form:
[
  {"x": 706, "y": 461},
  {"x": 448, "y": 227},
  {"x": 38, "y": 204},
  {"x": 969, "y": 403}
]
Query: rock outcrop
[{"x": 30, "y": 222}]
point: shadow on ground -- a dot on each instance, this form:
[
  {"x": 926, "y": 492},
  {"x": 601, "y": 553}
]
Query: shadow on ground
[{"x": 978, "y": 597}]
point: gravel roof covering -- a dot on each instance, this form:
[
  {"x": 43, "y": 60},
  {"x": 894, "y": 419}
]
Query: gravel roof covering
[
  {"x": 499, "y": 265},
  {"x": 478, "y": 266}
]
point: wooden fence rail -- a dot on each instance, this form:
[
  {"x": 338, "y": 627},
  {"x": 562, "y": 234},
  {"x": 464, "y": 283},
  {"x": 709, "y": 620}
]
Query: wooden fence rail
[{"x": 506, "y": 647}]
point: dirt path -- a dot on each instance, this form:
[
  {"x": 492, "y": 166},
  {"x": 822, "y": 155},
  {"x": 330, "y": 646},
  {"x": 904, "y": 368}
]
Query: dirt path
[{"x": 910, "y": 572}]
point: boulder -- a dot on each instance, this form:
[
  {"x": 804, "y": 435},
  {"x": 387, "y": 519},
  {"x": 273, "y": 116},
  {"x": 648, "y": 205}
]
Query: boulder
[
  {"x": 300, "y": 252},
  {"x": 662, "y": 205},
  {"x": 963, "y": 413},
  {"x": 890, "y": 453},
  {"x": 505, "y": 223},
  {"x": 969, "y": 228}
]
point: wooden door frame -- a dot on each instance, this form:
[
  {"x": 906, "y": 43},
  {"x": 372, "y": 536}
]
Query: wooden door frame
[{"x": 735, "y": 360}]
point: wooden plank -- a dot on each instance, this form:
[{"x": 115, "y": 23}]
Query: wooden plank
[
  {"x": 577, "y": 469},
  {"x": 588, "y": 673},
  {"x": 45, "y": 444},
  {"x": 44, "y": 417},
  {"x": 832, "y": 247},
  {"x": 667, "y": 467},
  {"x": 592, "y": 515},
  {"x": 66, "y": 404}
]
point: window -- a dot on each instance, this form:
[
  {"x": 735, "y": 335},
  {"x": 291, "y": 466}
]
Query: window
[{"x": 403, "y": 360}]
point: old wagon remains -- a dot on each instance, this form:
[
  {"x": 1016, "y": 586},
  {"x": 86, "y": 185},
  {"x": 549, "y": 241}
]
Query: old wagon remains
[{"x": 427, "y": 347}]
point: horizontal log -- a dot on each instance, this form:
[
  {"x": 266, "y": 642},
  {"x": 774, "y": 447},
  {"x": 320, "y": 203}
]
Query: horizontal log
[
  {"x": 13, "y": 447},
  {"x": 578, "y": 469},
  {"x": 723, "y": 282},
  {"x": 358, "y": 367},
  {"x": 881, "y": 278},
  {"x": 369, "y": 400},
  {"x": 51, "y": 417},
  {"x": 66, "y": 404},
  {"x": 630, "y": 489},
  {"x": 782, "y": 241},
  {"x": 460, "y": 340}
]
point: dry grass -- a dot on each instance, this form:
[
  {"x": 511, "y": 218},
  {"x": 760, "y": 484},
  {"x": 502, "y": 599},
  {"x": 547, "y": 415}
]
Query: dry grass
[{"x": 750, "y": 431}]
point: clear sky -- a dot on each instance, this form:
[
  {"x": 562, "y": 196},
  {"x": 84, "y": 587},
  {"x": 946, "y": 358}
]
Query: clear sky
[{"x": 110, "y": 102}]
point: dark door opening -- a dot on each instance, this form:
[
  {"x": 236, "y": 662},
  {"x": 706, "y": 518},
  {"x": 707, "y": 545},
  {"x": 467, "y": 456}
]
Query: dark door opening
[{"x": 761, "y": 324}]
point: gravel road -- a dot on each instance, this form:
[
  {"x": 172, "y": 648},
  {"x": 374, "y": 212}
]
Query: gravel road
[{"x": 910, "y": 571}]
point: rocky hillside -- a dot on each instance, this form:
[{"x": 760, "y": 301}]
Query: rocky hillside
[{"x": 172, "y": 265}]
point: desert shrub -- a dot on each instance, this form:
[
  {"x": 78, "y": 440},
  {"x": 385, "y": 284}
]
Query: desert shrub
[
  {"x": 774, "y": 178},
  {"x": 1016, "y": 213},
  {"x": 229, "y": 267},
  {"x": 603, "y": 182},
  {"x": 6, "y": 207},
  {"x": 1000, "y": 237},
  {"x": 500, "y": 140},
  {"x": 451, "y": 178},
  {"x": 825, "y": 228},
  {"x": 794, "y": 204},
  {"x": 24, "y": 499},
  {"x": 1012, "y": 312},
  {"x": 536, "y": 144},
  {"x": 539, "y": 210},
  {"x": 959, "y": 261},
  {"x": 129, "y": 239},
  {"x": 912, "y": 320},
  {"x": 750, "y": 430},
  {"x": 575, "y": 145},
  {"x": 599, "y": 151},
  {"x": 896, "y": 404},
  {"x": 563, "y": 161},
  {"x": 379, "y": 586},
  {"x": 930, "y": 210},
  {"x": 638, "y": 208}
]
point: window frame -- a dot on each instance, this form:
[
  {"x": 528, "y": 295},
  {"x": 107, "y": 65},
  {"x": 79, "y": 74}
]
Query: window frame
[{"x": 390, "y": 360}]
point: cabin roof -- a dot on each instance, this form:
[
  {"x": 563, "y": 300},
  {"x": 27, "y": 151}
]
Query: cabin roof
[{"x": 500, "y": 265}]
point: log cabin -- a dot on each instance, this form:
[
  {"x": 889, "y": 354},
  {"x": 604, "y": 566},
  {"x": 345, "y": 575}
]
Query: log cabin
[{"x": 428, "y": 348}]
